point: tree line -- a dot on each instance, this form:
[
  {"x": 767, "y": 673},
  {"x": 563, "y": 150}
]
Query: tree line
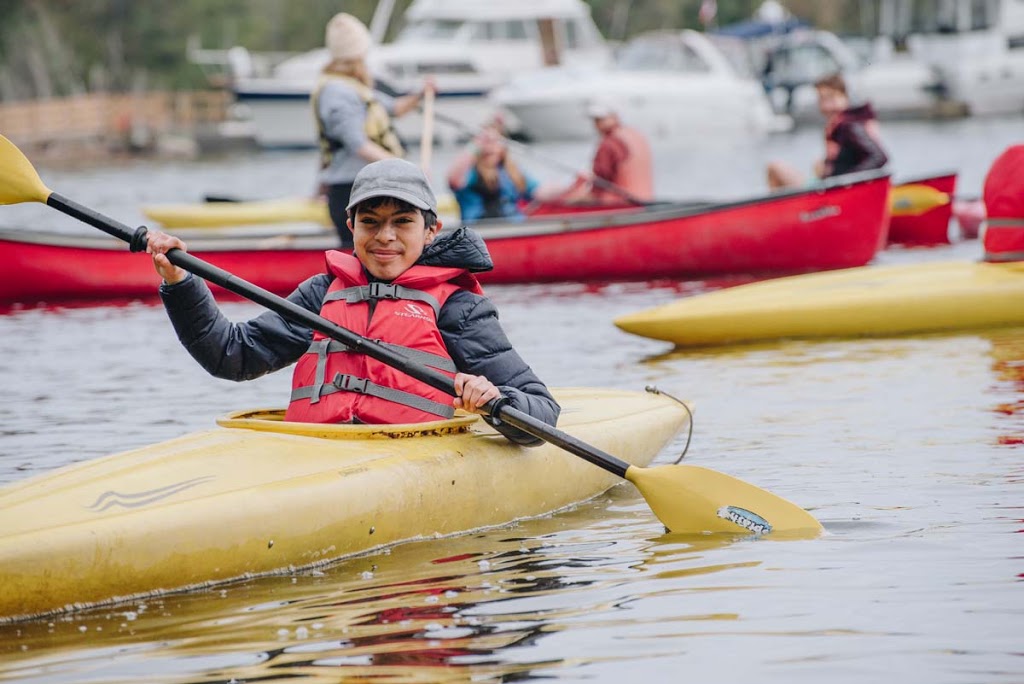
[{"x": 51, "y": 48}]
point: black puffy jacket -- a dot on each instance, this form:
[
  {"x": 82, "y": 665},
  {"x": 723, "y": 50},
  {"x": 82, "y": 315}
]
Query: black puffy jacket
[{"x": 468, "y": 323}]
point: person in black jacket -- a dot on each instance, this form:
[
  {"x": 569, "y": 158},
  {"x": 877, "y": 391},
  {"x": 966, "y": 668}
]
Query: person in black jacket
[
  {"x": 852, "y": 140},
  {"x": 393, "y": 215}
]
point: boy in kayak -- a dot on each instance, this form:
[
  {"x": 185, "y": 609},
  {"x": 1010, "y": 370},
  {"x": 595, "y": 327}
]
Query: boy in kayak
[
  {"x": 405, "y": 285},
  {"x": 852, "y": 140}
]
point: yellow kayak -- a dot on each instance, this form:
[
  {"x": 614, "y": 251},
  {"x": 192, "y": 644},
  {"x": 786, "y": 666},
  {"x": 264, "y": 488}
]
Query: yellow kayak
[
  {"x": 867, "y": 301},
  {"x": 257, "y": 495},
  {"x": 289, "y": 210}
]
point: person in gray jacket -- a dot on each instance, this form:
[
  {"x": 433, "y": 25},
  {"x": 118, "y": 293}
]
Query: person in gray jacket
[
  {"x": 399, "y": 247},
  {"x": 353, "y": 119}
]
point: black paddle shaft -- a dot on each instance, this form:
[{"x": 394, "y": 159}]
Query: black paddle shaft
[{"x": 498, "y": 409}]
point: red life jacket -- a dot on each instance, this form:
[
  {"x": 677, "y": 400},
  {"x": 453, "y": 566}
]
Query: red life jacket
[
  {"x": 1004, "y": 207},
  {"x": 331, "y": 384}
]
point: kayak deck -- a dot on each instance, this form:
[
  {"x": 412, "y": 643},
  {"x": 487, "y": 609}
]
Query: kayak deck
[
  {"x": 259, "y": 496},
  {"x": 868, "y": 301}
]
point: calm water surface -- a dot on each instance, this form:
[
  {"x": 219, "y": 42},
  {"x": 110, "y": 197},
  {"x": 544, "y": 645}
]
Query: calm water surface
[{"x": 908, "y": 450}]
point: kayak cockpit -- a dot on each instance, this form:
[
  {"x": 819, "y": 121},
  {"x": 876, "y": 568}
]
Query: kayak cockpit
[{"x": 272, "y": 420}]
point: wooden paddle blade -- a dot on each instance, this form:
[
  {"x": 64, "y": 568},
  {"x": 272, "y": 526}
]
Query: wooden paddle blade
[
  {"x": 915, "y": 199},
  {"x": 19, "y": 181},
  {"x": 693, "y": 499}
]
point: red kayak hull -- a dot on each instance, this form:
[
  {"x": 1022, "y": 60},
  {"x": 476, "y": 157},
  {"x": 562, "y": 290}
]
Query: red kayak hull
[
  {"x": 837, "y": 226},
  {"x": 930, "y": 227}
]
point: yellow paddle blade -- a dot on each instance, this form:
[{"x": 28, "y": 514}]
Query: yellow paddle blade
[
  {"x": 915, "y": 199},
  {"x": 19, "y": 181},
  {"x": 693, "y": 499}
]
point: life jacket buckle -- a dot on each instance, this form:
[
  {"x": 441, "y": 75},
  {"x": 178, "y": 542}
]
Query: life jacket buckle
[
  {"x": 350, "y": 383},
  {"x": 383, "y": 291}
]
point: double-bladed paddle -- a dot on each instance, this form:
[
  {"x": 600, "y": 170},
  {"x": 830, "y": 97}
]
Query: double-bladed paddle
[{"x": 685, "y": 498}]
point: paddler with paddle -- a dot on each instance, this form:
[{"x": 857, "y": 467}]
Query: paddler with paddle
[
  {"x": 622, "y": 169},
  {"x": 353, "y": 120},
  {"x": 686, "y": 498},
  {"x": 406, "y": 285},
  {"x": 487, "y": 183}
]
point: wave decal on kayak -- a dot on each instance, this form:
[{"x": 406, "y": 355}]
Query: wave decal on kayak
[
  {"x": 745, "y": 519},
  {"x": 139, "y": 499}
]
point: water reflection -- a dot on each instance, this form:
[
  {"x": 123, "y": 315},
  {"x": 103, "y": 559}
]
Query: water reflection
[
  {"x": 1008, "y": 368},
  {"x": 468, "y": 608},
  {"x": 1005, "y": 347}
]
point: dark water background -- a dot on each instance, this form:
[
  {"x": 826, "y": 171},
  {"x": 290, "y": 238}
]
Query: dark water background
[{"x": 908, "y": 450}]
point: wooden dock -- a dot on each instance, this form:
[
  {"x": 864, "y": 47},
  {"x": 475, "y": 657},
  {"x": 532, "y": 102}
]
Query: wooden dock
[{"x": 112, "y": 121}]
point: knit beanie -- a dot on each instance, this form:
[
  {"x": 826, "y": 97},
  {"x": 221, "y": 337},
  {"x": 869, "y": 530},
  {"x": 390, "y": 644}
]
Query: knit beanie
[{"x": 346, "y": 37}]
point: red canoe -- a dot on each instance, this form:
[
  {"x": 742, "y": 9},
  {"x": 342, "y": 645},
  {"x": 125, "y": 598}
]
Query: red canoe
[
  {"x": 839, "y": 225},
  {"x": 932, "y": 226}
]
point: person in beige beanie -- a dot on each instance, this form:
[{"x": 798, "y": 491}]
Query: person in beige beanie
[
  {"x": 347, "y": 38},
  {"x": 353, "y": 119}
]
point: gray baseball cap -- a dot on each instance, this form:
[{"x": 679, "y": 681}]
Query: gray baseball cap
[{"x": 393, "y": 178}]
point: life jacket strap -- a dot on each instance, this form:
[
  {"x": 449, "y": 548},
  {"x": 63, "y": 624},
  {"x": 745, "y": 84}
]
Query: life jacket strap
[
  {"x": 327, "y": 346},
  {"x": 362, "y": 293},
  {"x": 1005, "y": 222},
  {"x": 1003, "y": 257},
  {"x": 352, "y": 383}
]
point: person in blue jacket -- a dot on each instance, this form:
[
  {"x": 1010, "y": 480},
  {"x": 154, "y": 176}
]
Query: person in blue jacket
[
  {"x": 393, "y": 216},
  {"x": 487, "y": 183}
]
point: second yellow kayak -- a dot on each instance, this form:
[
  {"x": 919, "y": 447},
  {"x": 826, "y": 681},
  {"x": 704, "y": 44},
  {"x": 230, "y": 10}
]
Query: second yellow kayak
[
  {"x": 289, "y": 210},
  {"x": 868, "y": 301}
]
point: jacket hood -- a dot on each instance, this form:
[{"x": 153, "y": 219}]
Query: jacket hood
[
  {"x": 861, "y": 112},
  {"x": 460, "y": 248}
]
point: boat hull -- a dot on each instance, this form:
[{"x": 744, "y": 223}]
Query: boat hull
[
  {"x": 259, "y": 496},
  {"x": 838, "y": 225},
  {"x": 930, "y": 227},
  {"x": 881, "y": 301}
]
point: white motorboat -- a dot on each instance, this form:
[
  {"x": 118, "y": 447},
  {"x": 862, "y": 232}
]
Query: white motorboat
[
  {"x": 977, "y": 48},
  {"x": 953, "y": 57},
  {"x": 467, "y": 46},
  {"x": 668, "y": 84}
]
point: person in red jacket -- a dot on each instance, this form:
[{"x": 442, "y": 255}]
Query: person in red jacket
[
  {"x": 622, "y": 169},
  {"x": 852, "y": 140},
  {"x": 1004, "y": 207}
]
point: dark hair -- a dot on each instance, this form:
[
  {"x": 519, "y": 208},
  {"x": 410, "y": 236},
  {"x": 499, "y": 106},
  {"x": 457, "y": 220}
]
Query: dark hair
[
  {"x": 429, "y": 217},
  {"x": 833, "y": 81}
]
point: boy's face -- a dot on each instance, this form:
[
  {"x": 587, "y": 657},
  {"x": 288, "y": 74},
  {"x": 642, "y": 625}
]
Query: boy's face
[
  {"x": 388, "y": 240},
  {"x": 831, "y": 101}
]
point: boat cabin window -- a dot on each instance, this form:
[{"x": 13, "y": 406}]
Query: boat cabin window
[
  {"x": 952, "y": 16},
  {"x": 660, "y": 55},
  {"x": 430, "y": 29},
  {"x": 515, "y": 30},
  {"x": 572, "y": 35},
  {"x": 801, "y": 64}
]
